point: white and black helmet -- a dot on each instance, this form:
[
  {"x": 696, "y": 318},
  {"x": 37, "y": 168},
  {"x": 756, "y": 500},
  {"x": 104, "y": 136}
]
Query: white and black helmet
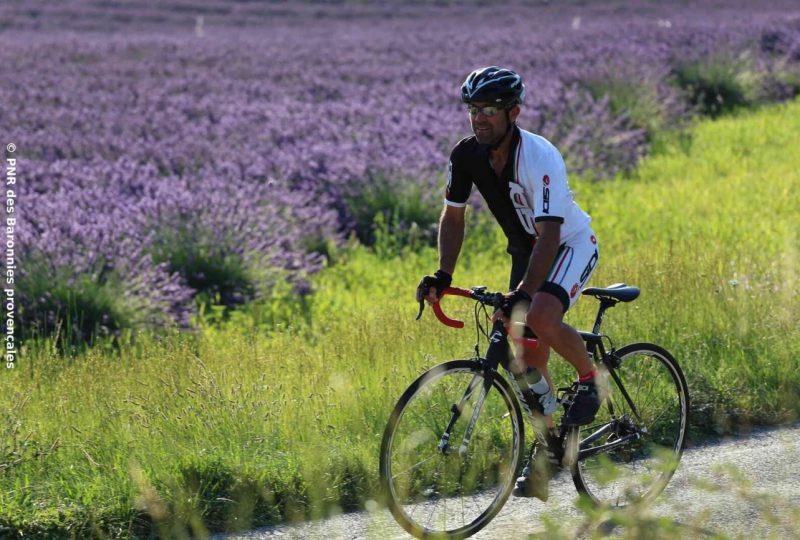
[{"x": 493, "y": 85}]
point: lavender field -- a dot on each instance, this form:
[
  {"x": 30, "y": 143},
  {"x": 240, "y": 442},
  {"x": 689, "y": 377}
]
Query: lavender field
[
  {"x": 219, "y": 148},
  {"x": 185, "y": 159}
]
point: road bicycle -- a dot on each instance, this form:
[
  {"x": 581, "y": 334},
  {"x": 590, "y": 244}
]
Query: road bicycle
[{"x": 455, "y": 441}]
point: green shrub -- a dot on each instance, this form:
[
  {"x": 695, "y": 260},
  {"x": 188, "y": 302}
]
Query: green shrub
[
  {"x": 275, "y": 308},
  {"x": 719, "y": 84},
  {"x": 639, "y": 101},
  {"x": 217, "y": 273},
  {"x": 405, "y": 209},
  {"x": 787, "y": 74},
  {"x": 76, "y": 311}
]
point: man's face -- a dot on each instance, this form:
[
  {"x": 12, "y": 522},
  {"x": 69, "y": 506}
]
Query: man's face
[{"x": 490, "y": 129}]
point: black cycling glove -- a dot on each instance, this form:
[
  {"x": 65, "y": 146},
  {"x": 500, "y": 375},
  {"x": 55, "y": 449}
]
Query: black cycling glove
[
  {"x": 512, "y": 298},
  {"x": 440, "y": 280}
]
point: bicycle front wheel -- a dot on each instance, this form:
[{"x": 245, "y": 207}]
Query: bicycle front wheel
[
  {"x": 451, "y": 450},
  {"x": 631, "y": 450}
]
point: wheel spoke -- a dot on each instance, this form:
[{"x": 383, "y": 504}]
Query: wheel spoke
[
  {"x": 638, "y": 468},
  {"x": 454, "y": 490},
  {"x": 416, "y": 465}
]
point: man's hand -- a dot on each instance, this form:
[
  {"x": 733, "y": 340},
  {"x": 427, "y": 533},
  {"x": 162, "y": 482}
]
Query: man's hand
[
  {"x": 432, "y": 287},
  {"x": 514, "y": 307}
]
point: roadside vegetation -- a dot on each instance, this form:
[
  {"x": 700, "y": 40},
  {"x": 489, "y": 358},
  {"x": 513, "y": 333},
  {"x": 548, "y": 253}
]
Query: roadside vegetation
[{"x": 274, "y": 411}]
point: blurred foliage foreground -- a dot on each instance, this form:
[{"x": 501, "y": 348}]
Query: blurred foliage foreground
[{"x": 237, "y": 426}]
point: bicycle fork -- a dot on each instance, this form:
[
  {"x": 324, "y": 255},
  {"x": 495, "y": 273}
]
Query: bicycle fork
[
  {"x": 498, "y": 353},
  {"x": 495, "y": 355},
  {"x": 457, "y": 410}
]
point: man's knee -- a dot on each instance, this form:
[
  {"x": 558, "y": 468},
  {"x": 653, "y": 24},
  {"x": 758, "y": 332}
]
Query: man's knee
[
  {"x": 543, "y": 326},
  {"x": 546, "y": 315}
]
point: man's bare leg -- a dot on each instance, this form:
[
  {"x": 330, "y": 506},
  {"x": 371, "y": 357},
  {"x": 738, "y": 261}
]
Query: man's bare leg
[
  {"x": 537, "y": 358},
  {"x": 545, "y": 317}
]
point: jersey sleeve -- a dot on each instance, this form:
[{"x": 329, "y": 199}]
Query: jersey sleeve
[
  {"x": 459, "y": 182},
  {"x": 551, "y": 189}
]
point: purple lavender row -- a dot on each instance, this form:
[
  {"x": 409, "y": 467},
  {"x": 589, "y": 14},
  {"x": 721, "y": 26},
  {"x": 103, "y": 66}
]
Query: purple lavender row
[{"x": 253, "y": 147}]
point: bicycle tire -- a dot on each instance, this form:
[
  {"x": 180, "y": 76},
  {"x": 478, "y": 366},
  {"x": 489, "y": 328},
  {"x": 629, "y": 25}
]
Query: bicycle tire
[
  {"x": 499, "y": 423},
  {"x": 641, "y": 469}
]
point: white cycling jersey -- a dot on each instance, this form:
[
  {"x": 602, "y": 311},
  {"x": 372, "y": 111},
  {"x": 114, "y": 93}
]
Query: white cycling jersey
[
  {"x": 531, "y": 188},
  {"x": 541, "y": 191}
]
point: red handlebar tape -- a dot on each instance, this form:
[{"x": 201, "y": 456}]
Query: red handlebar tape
[
  {"x": 437, "y": 308},
  {"x": 453, "y": 323}
]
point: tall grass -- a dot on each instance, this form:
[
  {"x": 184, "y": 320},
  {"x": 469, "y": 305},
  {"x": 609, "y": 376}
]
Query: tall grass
[{"x": 242, "y": 424}]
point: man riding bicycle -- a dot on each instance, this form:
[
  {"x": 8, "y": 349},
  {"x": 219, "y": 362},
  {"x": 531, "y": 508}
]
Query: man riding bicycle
[{"x": 523, "y": 179}]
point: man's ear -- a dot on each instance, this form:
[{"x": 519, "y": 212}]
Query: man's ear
[{"x": 514, "y": 112}]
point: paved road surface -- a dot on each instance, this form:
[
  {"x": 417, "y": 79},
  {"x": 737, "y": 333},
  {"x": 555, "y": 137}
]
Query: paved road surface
[{"x": 769, "y": 459}]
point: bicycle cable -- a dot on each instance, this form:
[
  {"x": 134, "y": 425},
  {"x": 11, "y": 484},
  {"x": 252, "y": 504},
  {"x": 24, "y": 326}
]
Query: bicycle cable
[
  {"x": 480, "y": 330},
  {"x": 610, "y": 343}
]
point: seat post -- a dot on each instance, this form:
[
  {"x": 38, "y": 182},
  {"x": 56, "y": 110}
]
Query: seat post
[{"x": 605, "y": 303}]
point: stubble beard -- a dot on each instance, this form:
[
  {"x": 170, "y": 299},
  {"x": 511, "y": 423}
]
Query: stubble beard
[{"x": 489, "y": 137}]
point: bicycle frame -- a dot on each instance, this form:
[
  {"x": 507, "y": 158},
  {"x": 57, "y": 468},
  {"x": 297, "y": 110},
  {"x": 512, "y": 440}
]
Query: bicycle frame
[
  {"x": 498, "y": 354},
  {"x": 596, "y": 348},
  {"x": 494, "y": 356}
]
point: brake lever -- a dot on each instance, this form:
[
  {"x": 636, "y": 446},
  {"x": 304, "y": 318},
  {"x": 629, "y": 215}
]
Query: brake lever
[{"x": 421, "y": 309}]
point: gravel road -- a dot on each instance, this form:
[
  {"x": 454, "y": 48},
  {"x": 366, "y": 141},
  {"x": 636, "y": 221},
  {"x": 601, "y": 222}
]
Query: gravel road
[{"x": 767, "y": 461}]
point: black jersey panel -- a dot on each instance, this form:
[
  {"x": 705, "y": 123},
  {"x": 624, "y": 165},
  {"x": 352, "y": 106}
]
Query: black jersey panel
[
  {"x": 459, "y": 179},
  {"x": 470, "y": 165}
]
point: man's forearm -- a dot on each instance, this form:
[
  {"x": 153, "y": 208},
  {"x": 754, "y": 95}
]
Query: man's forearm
[
  {"x": 451, "y": 236},
  {"x": 542, "y": 258}
]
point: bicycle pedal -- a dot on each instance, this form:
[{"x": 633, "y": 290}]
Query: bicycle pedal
[
  {"x": 564, "y": 393},
  {"x": 566, "y": 401},
  {"x": 565, "y": 397}
]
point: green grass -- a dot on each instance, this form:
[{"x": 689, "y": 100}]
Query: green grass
[{"x": 241, "y": 424}]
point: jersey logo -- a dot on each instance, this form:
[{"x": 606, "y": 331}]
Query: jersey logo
[
  {"x": 546, "y": 199},
  {"x": 589, "y": 267},
  {"x": 449, "y": 175},
  {"x": 524, "y": 212},
  {"x": 546, "y": 180}
]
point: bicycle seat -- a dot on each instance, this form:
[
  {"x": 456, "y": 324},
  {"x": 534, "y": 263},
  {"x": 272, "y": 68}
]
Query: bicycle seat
[{"x": 618, "y": 291}]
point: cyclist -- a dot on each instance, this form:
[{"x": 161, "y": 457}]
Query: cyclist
[{"x": 554, "y": 251}]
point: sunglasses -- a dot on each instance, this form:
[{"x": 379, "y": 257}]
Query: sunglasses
[{"x": 489, "y": 110}]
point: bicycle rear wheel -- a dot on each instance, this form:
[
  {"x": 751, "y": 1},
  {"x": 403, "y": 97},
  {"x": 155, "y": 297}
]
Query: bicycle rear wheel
[
  {"x": 451, "y": 451},
  {"x": 631, "y": 450}
]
